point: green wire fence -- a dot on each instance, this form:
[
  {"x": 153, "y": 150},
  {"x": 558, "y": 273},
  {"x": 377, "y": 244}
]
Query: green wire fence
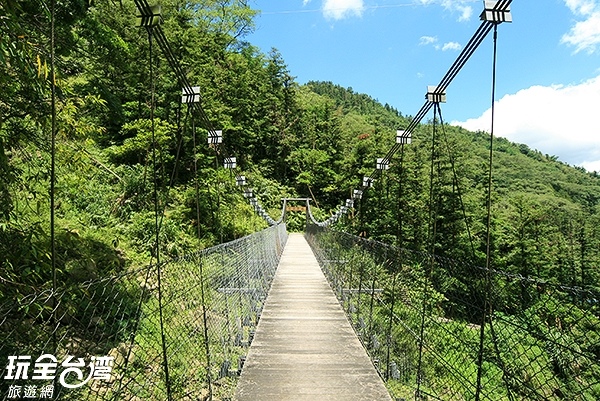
[
  {"x": 438, "y": 329},
  {"x": 109, "y": 341}
]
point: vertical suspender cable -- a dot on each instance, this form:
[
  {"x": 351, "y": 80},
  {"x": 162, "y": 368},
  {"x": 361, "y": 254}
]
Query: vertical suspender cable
[
  {"x": 173, "y": 174},
  {"x": 399, "y": 235},
  {"x": 361, "y": 274},
  {"x": 458, "y": 190},
  {"x": 157, "y": 220},
  {"x": 120, "y": 386},
  {"x": 217, "y": 215},
  {"x": 53, "y": 170},
  {"x": 371, "y": 302},
  {"x": 488, "y": 225},
  {"x": 433, "y": 203},
  {"x": 201, "y": 267},
  {"x": 490, "y": 177},
  {"x": 391, "y": 319},
  {"x": 399, "y": 244},
  {"x": 426, "y": 279}
]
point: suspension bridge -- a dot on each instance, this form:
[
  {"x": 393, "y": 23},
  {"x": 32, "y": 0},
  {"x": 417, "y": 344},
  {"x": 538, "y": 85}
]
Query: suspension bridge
[
  {"x": 305, "y": 347},
  {"x": 322, "y": 315}
]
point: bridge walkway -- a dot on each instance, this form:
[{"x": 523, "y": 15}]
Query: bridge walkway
[{"x": 304, "y": 347}]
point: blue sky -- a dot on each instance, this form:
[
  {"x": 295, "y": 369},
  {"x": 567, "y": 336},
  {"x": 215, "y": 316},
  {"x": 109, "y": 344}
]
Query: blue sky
[{"x": 548, "y": 89}]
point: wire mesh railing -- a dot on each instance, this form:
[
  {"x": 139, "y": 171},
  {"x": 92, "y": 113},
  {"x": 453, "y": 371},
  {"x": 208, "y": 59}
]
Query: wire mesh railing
[
  {"x": 103, "y": 340},
  {"x": 437, "y": 329}
]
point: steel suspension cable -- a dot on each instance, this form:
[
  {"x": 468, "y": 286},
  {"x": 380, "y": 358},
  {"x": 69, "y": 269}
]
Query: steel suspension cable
[
  {"x": 431, "y": 229},
  {"x": 460, "y": 62},
  {"x": 390, "y": 325},
  {"x": 488, "y": 222},
  {"x": 432, "y": 193},
  {"x": 464, "y": 56},
  {"x": 163, "y": 43},
  {"x": 399, "y": 235},
  {"x": 181, "y": 131},
  {"x": 201, "y": 269},
  {"x": 399, "y": 244},
  {"x": 166, "y": 192},
  {"x": 456, "y": 182},
  {"x": 469, "y": 49},
  {"x": 156, "y": 217},
  {"x": 502, "y": 365},
  {"x": 53, "y": 171},
  {"x": 478, "y": 37},
  {"x": 491, "y": 157},
  {"x": 132, "y": 335},
  {"x": 218, "y": 186}
]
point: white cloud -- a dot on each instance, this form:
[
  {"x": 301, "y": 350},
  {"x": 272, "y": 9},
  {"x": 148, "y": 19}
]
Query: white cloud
[
  {"x": 581, "y": 7},
  {"x": 459, "y": 6},
  {"x": 340, "y": 9},
  {"x": 432, "y": 40},
  {"x": 465, "y": 12},
  {"x": 591, "y": 166},
  {"x": 427, "y": 40},
  {"x": 585, "y": 34},
  {"x": 451, "y": 46},
  {"x": 557, "y": 120}
]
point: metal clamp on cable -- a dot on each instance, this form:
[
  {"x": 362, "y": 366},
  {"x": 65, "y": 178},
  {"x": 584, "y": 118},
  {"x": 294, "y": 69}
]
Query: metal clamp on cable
[{"x": 496, "y": 11}]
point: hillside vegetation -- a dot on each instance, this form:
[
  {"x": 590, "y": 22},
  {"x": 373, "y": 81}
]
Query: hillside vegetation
[{"x": 315, "y": 140}]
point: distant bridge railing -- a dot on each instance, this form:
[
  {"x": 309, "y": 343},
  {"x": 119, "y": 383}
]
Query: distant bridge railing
[
  {"x": 437, "y": 329},
  {"x": 180, "y": 332}
]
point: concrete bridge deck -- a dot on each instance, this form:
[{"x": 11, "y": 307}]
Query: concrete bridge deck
[{"x": 304, "y": 347}]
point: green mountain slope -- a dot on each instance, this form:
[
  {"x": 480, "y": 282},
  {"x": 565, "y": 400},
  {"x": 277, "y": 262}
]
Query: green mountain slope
[
  {"x": 545, "y": 213},
  {"x": 315, "y": 140}
]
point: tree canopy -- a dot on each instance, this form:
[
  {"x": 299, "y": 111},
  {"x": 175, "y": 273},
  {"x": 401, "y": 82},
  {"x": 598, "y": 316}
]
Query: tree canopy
[{"x": 315, "y": 140}]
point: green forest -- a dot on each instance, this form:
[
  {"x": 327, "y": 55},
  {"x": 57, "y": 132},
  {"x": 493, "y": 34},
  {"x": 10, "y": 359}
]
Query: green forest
[{"x": 314, "y": 140}]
